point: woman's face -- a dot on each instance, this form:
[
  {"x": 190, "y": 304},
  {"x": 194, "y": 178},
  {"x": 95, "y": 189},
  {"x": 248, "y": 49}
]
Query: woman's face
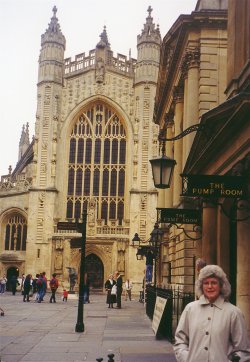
[{"x": 211, "y": 288}]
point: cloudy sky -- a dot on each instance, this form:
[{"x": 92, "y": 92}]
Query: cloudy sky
[{"x": 22, "y": 22}]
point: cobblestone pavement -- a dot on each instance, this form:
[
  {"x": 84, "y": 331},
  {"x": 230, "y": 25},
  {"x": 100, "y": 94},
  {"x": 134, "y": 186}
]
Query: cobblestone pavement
[{"x": 46, "y": 332}]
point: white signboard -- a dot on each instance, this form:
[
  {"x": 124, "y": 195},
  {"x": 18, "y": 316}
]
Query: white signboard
[{"x": 158, "y": 312}]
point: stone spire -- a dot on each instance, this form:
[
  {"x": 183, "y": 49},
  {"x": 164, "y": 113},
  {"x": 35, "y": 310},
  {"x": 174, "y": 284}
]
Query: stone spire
[
  {"x": 53, "y": 33},
  {"x": 24, "y": 141},
  {"x": 51, "y": 59},
  {"x": 149, "y": 33},
  {"x": 103, "y": 43}
]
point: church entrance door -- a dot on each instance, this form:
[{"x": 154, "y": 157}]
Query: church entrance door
[{"x": 95, "y": 271}]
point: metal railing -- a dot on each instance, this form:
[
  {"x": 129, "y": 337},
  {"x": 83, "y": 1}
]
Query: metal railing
[{"x": 176, "y": 302}]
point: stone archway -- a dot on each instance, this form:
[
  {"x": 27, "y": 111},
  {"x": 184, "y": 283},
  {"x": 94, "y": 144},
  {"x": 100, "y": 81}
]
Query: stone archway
[{"x": 95, "y": 270}]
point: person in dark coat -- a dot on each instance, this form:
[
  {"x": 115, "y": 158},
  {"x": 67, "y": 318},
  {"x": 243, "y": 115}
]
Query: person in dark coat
[
  {"x": 109, "y": 284},
  {"x": 119, "y": 290},
  {"x": 26, "y": 288},
  {"x": 13, "y": 284}
]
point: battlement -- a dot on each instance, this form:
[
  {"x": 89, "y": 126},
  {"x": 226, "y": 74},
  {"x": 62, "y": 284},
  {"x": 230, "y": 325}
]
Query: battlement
[{"x": 82, "y": 63}]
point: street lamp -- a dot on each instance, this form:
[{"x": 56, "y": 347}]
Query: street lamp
[
  {"x": 163, "y": 167},
  {"x": 82, "y": 227},
  {"x": 155, "y": 242},
  {"x": 79, "y": 227},
  {"x": 152, "y": 246}
]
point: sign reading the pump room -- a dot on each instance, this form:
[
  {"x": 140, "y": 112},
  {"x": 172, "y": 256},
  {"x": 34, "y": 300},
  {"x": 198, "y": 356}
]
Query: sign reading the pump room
[
  {"x": 180, "y": 216},
  {"x": 214, "y": 186}
]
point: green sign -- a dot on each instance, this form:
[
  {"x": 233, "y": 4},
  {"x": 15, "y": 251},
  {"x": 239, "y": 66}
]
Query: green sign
[
  {"x": 214, "y": 186},
  {"x": 180, "y": 216}
]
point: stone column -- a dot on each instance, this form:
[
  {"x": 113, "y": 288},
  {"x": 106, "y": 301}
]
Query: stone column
[
  {"x": 178, "y": 149},
  {"x": 243, "y": 266},
  {"x": 209, "y": 233},
  {"x": 192, "y": 59}
]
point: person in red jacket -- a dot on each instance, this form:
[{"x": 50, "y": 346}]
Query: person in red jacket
[{"x": 53, "y": 286}]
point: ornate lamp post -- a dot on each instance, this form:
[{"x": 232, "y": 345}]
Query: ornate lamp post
[{"x": 80, "y": 227}]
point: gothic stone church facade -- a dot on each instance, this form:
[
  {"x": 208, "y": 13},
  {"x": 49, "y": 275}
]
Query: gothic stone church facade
[{"x": 94, "y": 136}]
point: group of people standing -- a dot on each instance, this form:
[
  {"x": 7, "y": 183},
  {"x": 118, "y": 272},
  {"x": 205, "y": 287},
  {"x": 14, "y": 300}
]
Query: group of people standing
[{"x": 114, "y": 288}]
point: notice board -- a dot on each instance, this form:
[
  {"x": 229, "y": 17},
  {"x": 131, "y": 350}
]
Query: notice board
[{"x": 160, "y": 305}]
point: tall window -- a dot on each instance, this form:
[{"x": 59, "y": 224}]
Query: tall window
[
  {"x": 15, "y": 233},
  {"x": 97, "y": 163}
]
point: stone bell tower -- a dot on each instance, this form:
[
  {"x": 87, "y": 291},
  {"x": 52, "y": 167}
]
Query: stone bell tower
[
  {"x": 43, "y": 195},
  {"x": 143, "y": 193}
]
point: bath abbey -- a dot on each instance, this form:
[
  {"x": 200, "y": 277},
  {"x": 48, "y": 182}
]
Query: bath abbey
[{"x": 94, "y": 136}]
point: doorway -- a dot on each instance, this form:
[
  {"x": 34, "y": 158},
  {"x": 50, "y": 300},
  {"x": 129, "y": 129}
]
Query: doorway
[
  {"x": 12, "y": 271},
  {"x": 95, "y": 270}
]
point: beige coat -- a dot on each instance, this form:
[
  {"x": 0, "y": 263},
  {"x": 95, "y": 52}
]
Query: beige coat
[{"x": 211, "y": 332}]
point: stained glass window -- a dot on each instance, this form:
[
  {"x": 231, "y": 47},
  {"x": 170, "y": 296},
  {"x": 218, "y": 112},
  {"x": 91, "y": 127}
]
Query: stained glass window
[
  {"x": 15, "y": 233},
  {"x": 97, "y": 163}
]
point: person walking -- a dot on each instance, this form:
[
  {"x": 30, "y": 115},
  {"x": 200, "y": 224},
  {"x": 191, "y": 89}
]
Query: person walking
[
  {"x": 3, "y": 282},
  {"x": 65, "y": 295},
  {"x": 110, "y": 287},
  {"x": 26, "y": 288},
  {"x": 119, "y": 290},
  {"x": 53, "y": 286},
  {"x": 39, "y": 287},
  {"x": 13, "y": 284},
  {"x": 128, "y": 289},
  {"x": 211, "y": 328}
]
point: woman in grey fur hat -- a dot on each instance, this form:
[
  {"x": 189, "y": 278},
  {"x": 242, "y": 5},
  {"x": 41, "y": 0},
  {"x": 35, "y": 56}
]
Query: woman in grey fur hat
[{"x": 211, "y": 328}]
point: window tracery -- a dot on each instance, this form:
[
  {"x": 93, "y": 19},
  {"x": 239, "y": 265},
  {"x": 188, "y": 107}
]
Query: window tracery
[
  {"x": 97, "y": 163},
  {"x": 16, "y": 233}
]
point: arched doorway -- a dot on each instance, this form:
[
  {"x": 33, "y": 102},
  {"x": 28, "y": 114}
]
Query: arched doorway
[
  {"x": 10, "y": 272},
  {"x": 95, "y": 271}
]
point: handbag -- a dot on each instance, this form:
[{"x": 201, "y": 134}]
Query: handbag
[{"x": 113, "y": 290}]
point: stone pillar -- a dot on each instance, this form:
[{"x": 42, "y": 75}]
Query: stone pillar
[
  {"x": 192, "y": 59},
  {"x": 178, "y": 149},
  {"x": 170, "y": 154},
  {"x": 243, "y": 267},
  {"x": 209, "y": 233}
]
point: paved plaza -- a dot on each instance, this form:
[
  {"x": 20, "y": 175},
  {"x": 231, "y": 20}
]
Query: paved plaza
[{"x": 46, "y": 332}]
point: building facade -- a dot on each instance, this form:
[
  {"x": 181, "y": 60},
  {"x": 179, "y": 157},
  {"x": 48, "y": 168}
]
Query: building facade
[
  {"x": 209, "y": 88},
  {"x": 94, "y": 136}
]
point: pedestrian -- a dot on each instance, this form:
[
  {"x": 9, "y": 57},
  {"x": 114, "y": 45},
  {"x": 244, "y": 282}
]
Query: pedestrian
[
  {"x": 44, "y": 286},
  {"x": 39, "y": 287},
  {"x": 149, "y": 266},
  {"x": 26, "y": 288},
  {"x": 110, "y": 286},
  {"x": 128, "y": 289},
  {"x": 211, "y": 328},
  {"x": 3, "y": 282},
  {"x": 65, "y": 295},
  {"x": 119, "y": 290},
  {"x": 13, "y": 284},
  {"x": 22, "y": 283},
  {"x": 53, "y": 286},
  {"x": 86, "y": 289}
]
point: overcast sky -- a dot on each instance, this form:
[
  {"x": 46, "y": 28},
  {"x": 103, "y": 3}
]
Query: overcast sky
[{"x": 22, "y": 22}]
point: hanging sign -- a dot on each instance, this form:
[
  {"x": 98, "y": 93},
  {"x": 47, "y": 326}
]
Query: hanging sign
[
  {"x": 180, "y": 216},
  {"x": 214, "y": 186}
]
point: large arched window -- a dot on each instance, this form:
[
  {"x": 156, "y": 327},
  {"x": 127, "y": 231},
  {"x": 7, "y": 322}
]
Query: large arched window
[
  {"x": 15, "y": 232},
  {"x": 97, "y": 163}
]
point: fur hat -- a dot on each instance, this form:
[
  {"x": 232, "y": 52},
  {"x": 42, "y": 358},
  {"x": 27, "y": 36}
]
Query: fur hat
[{"x": 216, "y": 272}]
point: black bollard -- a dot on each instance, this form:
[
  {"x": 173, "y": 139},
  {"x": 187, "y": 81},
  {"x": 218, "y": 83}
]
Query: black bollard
[
  {"x": 111, "y": 357},
  {"x": 99, "y": 359}
]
